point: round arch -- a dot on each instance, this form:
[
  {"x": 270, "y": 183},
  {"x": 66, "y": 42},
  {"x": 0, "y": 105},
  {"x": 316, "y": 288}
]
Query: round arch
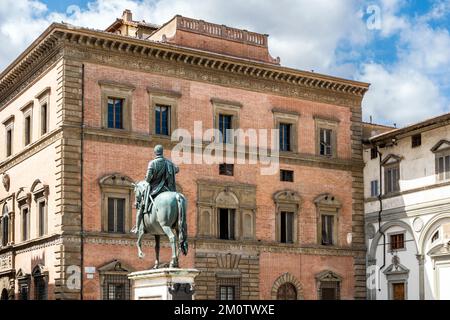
[
  {"x": 287, "y": 278},
  {"x": 430, "y": 228},
  {"x": 384, "y": 228}
]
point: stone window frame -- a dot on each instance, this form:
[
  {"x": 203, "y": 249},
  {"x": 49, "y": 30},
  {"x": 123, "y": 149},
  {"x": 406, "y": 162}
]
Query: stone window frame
[
  {"x": 27, "y": 111},
  {"x": 287, "y": 201},
  {"x": 24, "y": 202},
  {"x": 226, "y": 107},
  {"x": 327, "y": 204},
  {"x": 40, "y": 194},
  {"x": 391, "y": 161},
  {"x": 229, "y": 281},
  {"x": 39, "y": 271},
  {"x": 288, "y": 117},
  {"x": 167, "y": 98},
  {"x": 440, "y": 149},
  {"x": 327, "y": 123},
  {"x": 327, "y": 277},
  {"x": 44, "y": 99},
  {"x": 389, "y": 234},
  {"x": 114, "y": 268},
  {"x": 23, "y": 280},
  {"x": 116, "y": 186},
  {"x": 113, "y": 89},
  {"x": 287, "y": 278},
  {"x": 6, "y": 213},
  {"x": 213, "y": 195},
  {"x": 9, "y": 126}
]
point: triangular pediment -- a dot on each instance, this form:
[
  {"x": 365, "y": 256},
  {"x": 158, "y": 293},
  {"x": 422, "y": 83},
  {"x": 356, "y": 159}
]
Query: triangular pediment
[
  {"x": 441, "y": 145},
  {"x": 391, "y": 159},
  {"x": 328, "y": 276},
  {"x": 396, "y": 269},
  {"x": 115, "y": 266}
]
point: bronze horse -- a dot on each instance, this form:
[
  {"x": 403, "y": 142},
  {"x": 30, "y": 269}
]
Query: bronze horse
[{"x": 168, "y": 214}]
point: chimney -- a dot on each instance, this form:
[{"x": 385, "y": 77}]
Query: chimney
[{"x": 127, "y": 15}]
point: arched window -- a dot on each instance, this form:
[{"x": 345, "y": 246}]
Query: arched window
[
  {"x": 5, "y": 226},
  {"x": 287, "y": 204},
  {"x": 4, "y": 294},
  {"x": 40, "y": 283},
  {"x": 287, "y": 291},
  {"x": 327, "y": 219}
]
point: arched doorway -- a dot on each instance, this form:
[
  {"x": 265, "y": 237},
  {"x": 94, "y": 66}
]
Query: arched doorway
[
  {"x": 4, "y": 294},
  {"x": 287, "y": 291}
]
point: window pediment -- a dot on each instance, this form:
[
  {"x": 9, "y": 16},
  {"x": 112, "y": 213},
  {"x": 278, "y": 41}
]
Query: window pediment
[
  {"x": 328, "y": 275},
  {"x": 23, "y": 197},
  {"x": 116, "y": 180},
  {"x": 391, "y": 159},
  {"x": 38, "y": 187},
  {"x": 441, "y": 145},
  {"x": 287, "y": 196},
  {"x": 39, "y": 270},
  {"x": 115, "y": 266},
  {"x": 227, "y": 199},
  {"x": 327, "y": 200}
]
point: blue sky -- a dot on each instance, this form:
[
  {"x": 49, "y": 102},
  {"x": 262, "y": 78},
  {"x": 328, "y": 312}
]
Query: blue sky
[{"x": 401, "y": 47}]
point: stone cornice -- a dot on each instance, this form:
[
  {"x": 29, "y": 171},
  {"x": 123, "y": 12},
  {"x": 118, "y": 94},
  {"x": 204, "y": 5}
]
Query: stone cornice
[{"x": 303, "y": 81}]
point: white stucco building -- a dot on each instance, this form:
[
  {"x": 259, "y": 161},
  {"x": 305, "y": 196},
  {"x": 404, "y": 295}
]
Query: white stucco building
[{"x": 408, "y": 225}]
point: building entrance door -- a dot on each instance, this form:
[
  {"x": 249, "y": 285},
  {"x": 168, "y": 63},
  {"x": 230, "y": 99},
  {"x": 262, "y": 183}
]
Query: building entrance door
[{"x": 398, "y": 290}]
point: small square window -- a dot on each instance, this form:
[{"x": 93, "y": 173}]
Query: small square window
[
  {"x": 287, "y": 175},
  {"x": 226, "y": 169},
  {"x": 397, "y": 241},
  {"x": 416, "y": 140},
  {"x": 373, "y": 153}
]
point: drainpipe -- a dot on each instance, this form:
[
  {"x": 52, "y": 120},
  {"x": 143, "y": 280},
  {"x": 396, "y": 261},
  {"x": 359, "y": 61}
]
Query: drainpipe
[
  {"x": 379, "y": 216},
  {"x": 81, "y": 195}
]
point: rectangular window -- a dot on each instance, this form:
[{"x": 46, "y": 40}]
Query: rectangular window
[
  {"x": 116, "y": 287},
  {"x": 286, "y": 227},
  {"x": 27, "y": 132},
  {"x": 225, "y": 123},
  {"x": 397, "y": 241},
  {"x": 116, "y": 215},
  {"x": 287, "y": 175},
  {"x": 325, "y": 142},
  {"x": 9, "y": 142},
  {"x": 40, "y": 288},
  {"x": 374, "y": 188},
  {"x": 162, "y": 119},
  {"x": 115, "y": 113},
  {"x": 443, "y": 167},
  {"x": 285, "y": 136},
  {"x": 227, "y": 292},
  {"x": 329, "y": 290},
  {"x": 416, "y": 140},
  {"x": 42, "y": 218},
  {"x": 226, "y": 224},
  {"x": 25, "y": 224},
  {"x": 23, "y": 290},
  {"x": 327, "y": 229},
  {"x": 392, "y": 179},
  {"x": 226, "y": 169},
  {"x": 373, "y": 153},
  {"x": 44, "y": 119}
]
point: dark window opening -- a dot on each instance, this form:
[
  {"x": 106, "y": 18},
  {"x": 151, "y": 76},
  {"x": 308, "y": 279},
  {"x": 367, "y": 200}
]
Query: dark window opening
[
  {"x": 116, "y": 287},
  {"x": 286, "y": 227},
  {"x": 329, "y": 290},
  {"x": 27, "y": 130},
  {"x": 416, "y": 140},
  {"x": 373, "y": 153},
  {"x": 225, "y": 124},
  {"x": 325, "y": 142},
  {"x": 287, "y": 291},
  {"x": 162, "y": 120},
  {"x": 25, "y": 224},
  {"x": 287, "y": 175},
  {"x": 443, "y": 167},
  {"x": 23, "y": 289},
  {"x": 397, "y": 241},
  {"x": 374, "y": 188},
  {"x": 392, "y": 179},
  {"x": 8, "y": 142},
  {"x": 226, "y": 169},
  {"x": 115, "y": 113},
  {"x": 285, "y": 136},
  {"x": 40, "y": 288},
  {"x": 435, "y": 236},
  {"x": 42, "y": 218},
  {"x": 327, "y": 229},
  {"x": 116, "y": 215},
  {"x": 226, "y": 224},
  {"x": 5, "y": 230},
  {"x": 44, "y": 119}
]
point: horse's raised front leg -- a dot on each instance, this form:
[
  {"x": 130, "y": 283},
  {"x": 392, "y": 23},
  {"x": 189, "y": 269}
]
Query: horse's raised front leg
[
  {"x": 157, "y": 241},
  {"x": 141, "y": 233},
  {"x": 174, "y": 261}
]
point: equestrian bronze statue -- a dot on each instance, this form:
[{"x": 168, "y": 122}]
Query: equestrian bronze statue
[{"x": 160, "y": 209}]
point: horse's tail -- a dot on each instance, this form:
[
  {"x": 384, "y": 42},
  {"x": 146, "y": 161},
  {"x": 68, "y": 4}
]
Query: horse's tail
[{"x": 182, "y": 224}]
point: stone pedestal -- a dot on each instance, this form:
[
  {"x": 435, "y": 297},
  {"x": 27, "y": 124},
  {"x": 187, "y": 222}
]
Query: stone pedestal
[{"x": 163, "y": 284}]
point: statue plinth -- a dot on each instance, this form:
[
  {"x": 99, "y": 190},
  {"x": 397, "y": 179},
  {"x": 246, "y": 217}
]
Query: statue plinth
[{"x": 163, "y": 284}]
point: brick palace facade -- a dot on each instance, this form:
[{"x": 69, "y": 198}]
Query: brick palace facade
[{"x": 80, "y": 113}]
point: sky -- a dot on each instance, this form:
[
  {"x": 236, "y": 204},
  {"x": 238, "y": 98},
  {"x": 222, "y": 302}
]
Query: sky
[{"x": 401, "y": 47}]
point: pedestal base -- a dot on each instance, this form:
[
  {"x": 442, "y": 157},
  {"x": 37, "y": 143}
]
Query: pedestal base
[{"x": 163, "y": 284}]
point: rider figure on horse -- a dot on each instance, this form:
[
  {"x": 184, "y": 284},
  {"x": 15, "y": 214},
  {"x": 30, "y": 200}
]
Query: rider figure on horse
[{"x": 160, "y": 178}]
